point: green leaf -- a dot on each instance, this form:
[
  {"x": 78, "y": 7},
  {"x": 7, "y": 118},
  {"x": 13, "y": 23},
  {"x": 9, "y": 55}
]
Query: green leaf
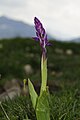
[
  {"x": 43, "y": 74},
  {"x": 42, "y": 108},
  {"x": 32, "y": 93}
]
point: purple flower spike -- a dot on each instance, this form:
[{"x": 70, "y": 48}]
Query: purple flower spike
[{"x": 41, "y": 35}]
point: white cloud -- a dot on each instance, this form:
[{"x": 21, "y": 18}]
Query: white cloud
[{"x": 60, "y": 17}]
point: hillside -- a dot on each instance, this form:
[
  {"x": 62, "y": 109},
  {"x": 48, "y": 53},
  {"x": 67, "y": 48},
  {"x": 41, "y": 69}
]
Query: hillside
[
  {"x": 63, "y": 60},
  {"x": 11, "y": 28}
]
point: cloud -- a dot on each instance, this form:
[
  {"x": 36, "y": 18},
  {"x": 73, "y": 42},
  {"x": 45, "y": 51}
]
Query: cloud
[
  {"x": 60, "y": 17},
  {"x": 12, "y": 3}
]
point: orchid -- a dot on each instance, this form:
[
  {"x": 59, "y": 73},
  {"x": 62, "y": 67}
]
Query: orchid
[
  {"x": 40, "y": 103},
  {"x": 41, "y": 35}
]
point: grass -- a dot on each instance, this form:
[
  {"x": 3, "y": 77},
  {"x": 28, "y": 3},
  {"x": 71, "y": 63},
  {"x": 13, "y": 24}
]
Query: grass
[
  {"x": 64, "y": 105},
  {"x": 63, "y": 70}
]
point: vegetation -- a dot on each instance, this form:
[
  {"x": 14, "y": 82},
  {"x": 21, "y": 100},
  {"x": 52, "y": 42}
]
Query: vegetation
[{"x": 63, "y": 70}]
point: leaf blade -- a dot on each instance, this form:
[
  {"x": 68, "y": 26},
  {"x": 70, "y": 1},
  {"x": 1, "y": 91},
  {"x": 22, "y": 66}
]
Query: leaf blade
[
  {"x": 42, "y": 108},
  {"x": 32, "y": 93}
]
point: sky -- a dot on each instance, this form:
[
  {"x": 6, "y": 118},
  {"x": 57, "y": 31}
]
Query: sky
[{"x": 61, "y": 18}]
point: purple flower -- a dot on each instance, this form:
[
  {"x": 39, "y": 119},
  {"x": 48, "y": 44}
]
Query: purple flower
[{"x": 41, "y": 35}]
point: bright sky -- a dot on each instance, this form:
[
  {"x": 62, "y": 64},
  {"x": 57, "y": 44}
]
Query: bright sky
[{"x": 61, "y": 18}]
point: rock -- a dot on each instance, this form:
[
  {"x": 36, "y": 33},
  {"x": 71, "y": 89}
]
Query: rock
[
  {"x": 59, "y": 51},
  {"x": 10, "y": 93},
  {"x": 31, "y": 55},
  {"x": 69, "y": 52},
  {"x": 59, "y": 74},
  {"x": 53, "y": 73},
  {"x": 28, "y": 69},
  {"x": 10, "y": 90},
  {"x": 11, "y": 83}
]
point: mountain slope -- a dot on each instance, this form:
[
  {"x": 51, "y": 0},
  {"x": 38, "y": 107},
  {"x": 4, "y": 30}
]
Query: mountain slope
[
  {"x": 11, "y": 28},
  {"x": 76, "y": 40}
]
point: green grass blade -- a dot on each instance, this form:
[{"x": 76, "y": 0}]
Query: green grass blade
[{"x": 4, "y": 111}]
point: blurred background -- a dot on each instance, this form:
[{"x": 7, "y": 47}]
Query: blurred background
[{"x": 20, "y": 55}]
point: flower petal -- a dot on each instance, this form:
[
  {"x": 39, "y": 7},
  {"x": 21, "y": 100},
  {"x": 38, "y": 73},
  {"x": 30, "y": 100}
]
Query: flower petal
[
  {"x": 41, "y": 34},
  {"x": 36, "y": 38},
  {"x": 48, "y": 44}
]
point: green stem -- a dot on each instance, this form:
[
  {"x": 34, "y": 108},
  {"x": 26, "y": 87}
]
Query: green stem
[{"x": 43, "y": 74}]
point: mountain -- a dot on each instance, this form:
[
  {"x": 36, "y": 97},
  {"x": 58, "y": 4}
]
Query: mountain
[
  {"x": 77, "y": 40},
  {"x": 10, "y": 28}
]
